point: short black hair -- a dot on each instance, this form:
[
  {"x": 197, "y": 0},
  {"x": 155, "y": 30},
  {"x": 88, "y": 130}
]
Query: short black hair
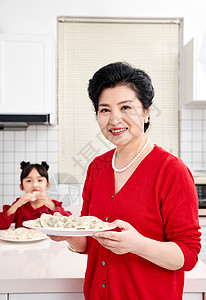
[
  {"x": 122, "y": 73},
  {"x": 27, "y": 168}
]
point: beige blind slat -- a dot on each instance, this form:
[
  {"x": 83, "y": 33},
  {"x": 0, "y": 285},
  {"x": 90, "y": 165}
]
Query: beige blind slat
[{"x": 84, "y": 47}]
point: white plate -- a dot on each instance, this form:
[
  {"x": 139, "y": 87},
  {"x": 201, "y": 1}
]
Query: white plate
[
  {"x": 23, "y": 241},
  {"x": 65, "y": 231}
]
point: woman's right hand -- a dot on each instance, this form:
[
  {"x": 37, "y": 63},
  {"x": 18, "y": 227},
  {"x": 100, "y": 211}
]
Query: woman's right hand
[
  {"x": 77, "y": 243},
  {"x": 59, "y": 238}
]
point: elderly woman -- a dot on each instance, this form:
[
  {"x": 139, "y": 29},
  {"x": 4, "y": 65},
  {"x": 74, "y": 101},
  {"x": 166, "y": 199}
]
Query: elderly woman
[{"x": 146, "y": 192}]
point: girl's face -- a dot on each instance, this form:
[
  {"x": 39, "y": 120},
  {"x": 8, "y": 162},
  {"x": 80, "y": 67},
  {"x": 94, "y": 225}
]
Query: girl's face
[
  {"x": 121, "y": 115},
  {"x": 34, "y": 182}
]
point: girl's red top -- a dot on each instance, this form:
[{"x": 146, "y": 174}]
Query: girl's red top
[
  {"x": 27, "y": 212},
  {"x": 160, "y": 201}
]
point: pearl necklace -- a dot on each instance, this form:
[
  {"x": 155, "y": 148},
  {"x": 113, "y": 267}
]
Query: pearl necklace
[{"x": 131, "y": 163}]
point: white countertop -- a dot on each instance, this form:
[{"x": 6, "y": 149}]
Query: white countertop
[
  {"x": 43, "y": 266},
  {"x": 48, "y": 266},
  {"x": 202, "y": 220}
]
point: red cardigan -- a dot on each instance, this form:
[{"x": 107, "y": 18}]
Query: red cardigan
[
  {"x": 160, "y": 201},
  {"x": 27, "y": 212}
]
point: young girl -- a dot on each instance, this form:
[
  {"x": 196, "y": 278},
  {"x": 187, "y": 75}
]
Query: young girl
[{"x": 35, "y": 201}]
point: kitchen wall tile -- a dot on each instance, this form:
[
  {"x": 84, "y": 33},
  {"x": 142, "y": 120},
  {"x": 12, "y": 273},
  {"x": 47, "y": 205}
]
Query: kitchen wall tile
[
  {"x": 52, "y": 146},
  {"x": 52, "y": 157},
  {"x": 186, "y": 125},
  {"x": 18, "y": 192},
  {"x": 8, "y": 189},
  {"x": 53, "y": 134},
  {"x": 8, "y": 146},
  {"x": 8, "y": 157},
  {"x": 20, "y": 135},
  {"x": 197, "y": 114},
  {"x": 17, "y": 168},
  {"x": 186, "y": 136},
  {"x": 186, "y": 157},
  {"x": 41, "y": 146},
  {"x": 9, "y": 179},
  {"x": 42, "y": 135},
  {"x": 185, "y": 146},
  {"x": 53, "y": 167},
  {"x": 31, "y": 134},
  {"x": 31, "y": 157},
  {"x": 8, "y": 168},
  {"x": 17, "y": 177},
  {"x": 1, "y": 178},
  {"x": 197, "y": 136},
  {"x": 20, "y": 146},
  {"x": 41, "y": 128},
  {"x": 197, "y": 166},
  {"x": 186, "y": 114},
  {"x": 197, "y": 157},
  {"x": 19, "y": 157},
  {"x": 197, "y": 146},
  {"x": 8, "y": 135},
  {"x": 197, "y": 125},
  {"x": 41, "y": 156},
  {"x": 31, "y": 146}
]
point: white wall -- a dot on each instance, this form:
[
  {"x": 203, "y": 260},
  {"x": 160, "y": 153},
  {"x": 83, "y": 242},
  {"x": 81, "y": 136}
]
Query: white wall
[
  {"x": 39, "y": 16},
  {"x": 40, "y": 143}
]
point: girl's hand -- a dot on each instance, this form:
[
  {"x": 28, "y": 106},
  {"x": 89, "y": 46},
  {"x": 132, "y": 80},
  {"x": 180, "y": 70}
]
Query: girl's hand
[
  {"x": 120, "y": 242},
  {"x": 27, "y": 197},
  {"x": 44, "y": 199}
]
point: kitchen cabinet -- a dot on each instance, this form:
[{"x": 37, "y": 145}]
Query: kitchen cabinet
[
  {"x": 194, "y": 73},
  {"x": 202, "y": 254},
  {"x": 27, "y": 75},
  {"x": 193, "y": 296},
  {"x": 51, "y": 296},
  {"x": 56, "y": 273}
]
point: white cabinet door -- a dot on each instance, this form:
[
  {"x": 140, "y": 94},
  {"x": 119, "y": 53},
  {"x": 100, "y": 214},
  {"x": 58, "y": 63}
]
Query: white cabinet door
[
  {"x": 192, "y": 296},
  {"x": 194, "y": 73},
  {"x": 26, "y": 74},
  {"x": 52, "y": 296},
  {"x": 3, "y": 296}
]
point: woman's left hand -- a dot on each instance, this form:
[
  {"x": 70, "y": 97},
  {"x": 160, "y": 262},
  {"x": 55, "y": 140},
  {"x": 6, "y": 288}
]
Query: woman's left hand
[{"x": 120, "y": 242}]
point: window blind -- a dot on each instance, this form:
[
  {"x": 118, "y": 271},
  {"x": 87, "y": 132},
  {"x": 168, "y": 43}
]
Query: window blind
[{"x": 85, "y": 45}]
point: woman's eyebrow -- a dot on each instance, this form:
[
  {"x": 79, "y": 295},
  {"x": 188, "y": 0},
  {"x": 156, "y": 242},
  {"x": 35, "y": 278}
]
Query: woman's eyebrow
[
  {"x": 121, "y": 102},
  {"x": 103, "y": 104}
]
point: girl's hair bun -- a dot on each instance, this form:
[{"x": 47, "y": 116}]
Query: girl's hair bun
[
  {"x": 24, "y": 164},
  {"x": 45, "y": 165}
]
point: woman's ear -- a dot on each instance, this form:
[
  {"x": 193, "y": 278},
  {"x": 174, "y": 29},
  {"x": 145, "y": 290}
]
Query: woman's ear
[
  {"x": 147, "y": 114},
  {"x": 149, "y": 110},
  {"x": 21, "y": 187}
]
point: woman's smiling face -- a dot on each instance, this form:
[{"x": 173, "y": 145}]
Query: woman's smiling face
[{"x": 121, "y": 115}]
